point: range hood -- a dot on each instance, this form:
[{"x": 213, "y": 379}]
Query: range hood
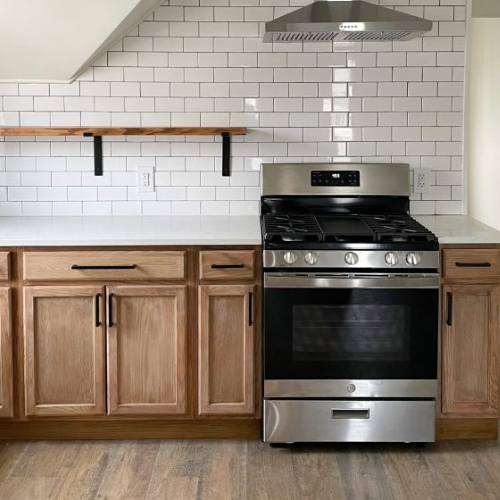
[{"x": 325, "y": 21}]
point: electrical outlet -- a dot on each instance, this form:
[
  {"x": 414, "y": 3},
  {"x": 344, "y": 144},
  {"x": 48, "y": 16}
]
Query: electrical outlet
[
  {"x": 145, "y": 180},
  {"x": 421, "y": 180}
]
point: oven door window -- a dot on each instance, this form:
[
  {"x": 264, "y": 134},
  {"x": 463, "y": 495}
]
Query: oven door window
[{"x": 351, "y": 333}]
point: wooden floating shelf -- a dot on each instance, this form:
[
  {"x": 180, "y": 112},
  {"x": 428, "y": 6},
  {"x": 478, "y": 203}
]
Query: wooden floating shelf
[
  {"x": 98, "y": 133},
  {"x": 94, "y": 131}
]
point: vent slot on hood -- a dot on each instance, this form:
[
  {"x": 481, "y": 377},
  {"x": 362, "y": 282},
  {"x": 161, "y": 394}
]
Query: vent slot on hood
[
  {"x": 304, "y": 37},
  {"x": 375, "y": 36}
]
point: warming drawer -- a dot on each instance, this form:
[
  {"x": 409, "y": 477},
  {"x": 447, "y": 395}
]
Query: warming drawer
[{"x": 295, "y": 421}]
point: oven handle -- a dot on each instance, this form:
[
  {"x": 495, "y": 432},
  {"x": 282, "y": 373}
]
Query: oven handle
[{"x": 429, "y": 281}]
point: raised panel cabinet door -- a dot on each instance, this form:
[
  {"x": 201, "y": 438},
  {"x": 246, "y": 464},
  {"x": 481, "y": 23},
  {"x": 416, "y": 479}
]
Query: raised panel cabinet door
[
  {"x": 6, "y": 368},
  {"x": 226, "y": 350},
  {"x": 64, "y": 350},
  {"x": 147, "y": 350},
  {"x": 470, "y": 350}
]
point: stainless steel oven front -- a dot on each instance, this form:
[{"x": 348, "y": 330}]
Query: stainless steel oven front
[{"x": 349, "y": 350}]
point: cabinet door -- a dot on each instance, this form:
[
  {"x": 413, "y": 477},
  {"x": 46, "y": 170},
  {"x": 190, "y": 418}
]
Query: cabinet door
[
  {"x": 6, "y": 369},
  {"x": 470, "y": 350},
  {"x": 226, "y": 350},
  {"x": 64, "y": 350},
  {"x": 147, "y": 350}
]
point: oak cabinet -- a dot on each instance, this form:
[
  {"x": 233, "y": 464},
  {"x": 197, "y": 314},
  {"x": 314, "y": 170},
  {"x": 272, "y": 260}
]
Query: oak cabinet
[
  {"x": 146, "y": 341},
  {"x": 6, "y": 368},
  {"x": 226, "y": 381},
  {"x": 470, "y": 350},
  {"x": 64, "y": 350}
]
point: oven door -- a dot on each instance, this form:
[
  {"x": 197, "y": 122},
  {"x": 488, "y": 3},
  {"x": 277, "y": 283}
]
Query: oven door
[{"x": 338, "y": 335}]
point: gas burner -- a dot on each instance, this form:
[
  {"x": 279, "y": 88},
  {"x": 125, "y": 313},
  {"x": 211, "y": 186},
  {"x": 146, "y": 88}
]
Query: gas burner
[
  {"x": 291, "y": 228},
  {"x": 398, "y": 228}
]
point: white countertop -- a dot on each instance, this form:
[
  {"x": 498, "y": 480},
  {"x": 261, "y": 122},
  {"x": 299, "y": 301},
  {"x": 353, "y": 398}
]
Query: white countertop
[
  {"x": 174, "y": 230},
  {"x": 193, "y": 230},
  {"x": 459, "y": 229}
]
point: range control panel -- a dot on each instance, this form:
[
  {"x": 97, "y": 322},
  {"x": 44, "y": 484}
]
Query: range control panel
[{"x": 335, "y": 178}]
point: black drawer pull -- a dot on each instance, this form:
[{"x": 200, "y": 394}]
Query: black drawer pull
[
  {"x": 250, "y": 309},
  {"x": 472, "y": 264},
  {"x": 228, "y": 266},
  {"x": 341, "y": 414},
  {"x": 110, "y": 309},
  {"x": 87, "y": 268},
  {"x": 449, "y": 314},
  {"x": 97, "y": 310}
]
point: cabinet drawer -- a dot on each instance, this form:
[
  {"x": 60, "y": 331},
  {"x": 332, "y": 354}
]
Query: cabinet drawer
[
  {"x": 227, "y": 265},
  {"x": 4, "y": 266},
  {"x": 471, "y": 263},
  {"x": 106, "y": 265}
]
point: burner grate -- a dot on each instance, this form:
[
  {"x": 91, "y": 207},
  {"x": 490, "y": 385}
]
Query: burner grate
[
  {"x": 291, "y": 228},
  {"x": 398, "y": 228}
]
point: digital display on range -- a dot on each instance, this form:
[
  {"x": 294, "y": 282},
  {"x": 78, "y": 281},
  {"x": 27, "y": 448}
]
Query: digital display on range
[{"x": 345, "y": 178}]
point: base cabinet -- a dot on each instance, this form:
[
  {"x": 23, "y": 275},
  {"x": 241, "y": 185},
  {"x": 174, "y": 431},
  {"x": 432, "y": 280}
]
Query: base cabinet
[
  {"x": 226, "y": 381},
  {"x": 146, "y": 342},
  {"x": 470, "y": 350},
  {"x": 64, "y": 351},
  {"x": 6, "y": 368}
]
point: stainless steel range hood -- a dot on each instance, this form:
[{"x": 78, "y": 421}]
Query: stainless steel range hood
[{"x": 324, "y": 21}]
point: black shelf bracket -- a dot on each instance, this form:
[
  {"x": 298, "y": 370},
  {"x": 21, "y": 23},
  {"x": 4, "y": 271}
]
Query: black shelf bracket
[
  {"x": 226, "y": 154},
  {"x": 97, "y": 152}
]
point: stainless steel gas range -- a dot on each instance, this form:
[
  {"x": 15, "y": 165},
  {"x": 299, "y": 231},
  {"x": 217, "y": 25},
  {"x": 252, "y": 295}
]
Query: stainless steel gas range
[{"x": 351, "y": 289}]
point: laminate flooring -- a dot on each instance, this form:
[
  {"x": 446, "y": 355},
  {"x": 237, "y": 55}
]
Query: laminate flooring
[{"x": 247, "y": 470}]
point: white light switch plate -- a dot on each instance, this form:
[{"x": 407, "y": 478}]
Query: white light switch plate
[{"x": 145, "y": 180}]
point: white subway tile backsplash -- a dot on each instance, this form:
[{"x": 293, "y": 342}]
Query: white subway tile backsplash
[
  {"x": 36, "y": 179},
  {"x": 52, "y": 193},
  {"x": 16, "y": 193},
  {"x": 33, "y": 89},
  {"x": 18, "y": 103},
  {"x": 36, "y": 209},
  {"x": 203, "y": 63},
  {"x": 82, "y": 193}
]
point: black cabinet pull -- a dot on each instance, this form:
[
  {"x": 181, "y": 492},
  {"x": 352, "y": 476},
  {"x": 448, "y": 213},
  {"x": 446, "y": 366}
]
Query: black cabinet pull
[
  {"x": 449, "y": 315},
  {"x": 228, "y": 266},
  {"x": 472, "y": 264},
  {"x": 250, "y": 309},
  {"x": 97, "y": 310},
  {"x": 110, "y": 309},
  {"x": 86, "y": 268}
]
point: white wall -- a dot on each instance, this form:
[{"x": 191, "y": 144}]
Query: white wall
[
  {"x": 483, "y": 103},
  {"x": 54, "y": 40},
  {"x": 203, "y": 63}
]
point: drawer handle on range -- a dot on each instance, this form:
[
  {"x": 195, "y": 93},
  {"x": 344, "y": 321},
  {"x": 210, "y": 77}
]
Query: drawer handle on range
[
  {"x": 97, "y": 310},
  {"x": 339, "y": 414},
  {"x": 110, "y": 309},
  {"x": 449, "y": 315},
  {"x": 86, "y": 268},
  {"x": 472, "y": 264},
  {"x": 228, "y": 266}
]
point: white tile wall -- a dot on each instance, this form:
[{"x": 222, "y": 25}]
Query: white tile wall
[{"x": 203, "y": 63}]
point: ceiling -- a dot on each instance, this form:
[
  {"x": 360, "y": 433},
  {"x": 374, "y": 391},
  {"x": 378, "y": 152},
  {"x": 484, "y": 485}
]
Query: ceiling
[{"x": 56, "y": 40}]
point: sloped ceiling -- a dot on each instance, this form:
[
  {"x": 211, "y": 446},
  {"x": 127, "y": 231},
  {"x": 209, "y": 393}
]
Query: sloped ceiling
[{"x": 56, "y": 40}]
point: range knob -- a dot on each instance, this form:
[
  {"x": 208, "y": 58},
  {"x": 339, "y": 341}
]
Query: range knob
[
  {"x": 351, "y": 258},
  {"x": 290, "y": 258},
  {"x": 311, "y": 258},
  {"x": 413, "y": 259},
  {"x": 391, "y": 258}
]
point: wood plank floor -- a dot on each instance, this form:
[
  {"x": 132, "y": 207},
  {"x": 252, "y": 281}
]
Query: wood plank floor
[{"x": 249, "y": 470}]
